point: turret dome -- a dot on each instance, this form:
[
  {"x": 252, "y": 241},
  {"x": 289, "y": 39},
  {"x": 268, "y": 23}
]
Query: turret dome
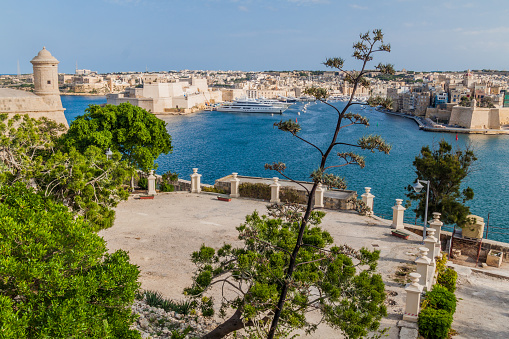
[{"x": 44, "y": 56}]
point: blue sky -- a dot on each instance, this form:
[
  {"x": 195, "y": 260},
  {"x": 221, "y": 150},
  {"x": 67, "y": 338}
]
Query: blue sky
[{"x": 161, "y": 35}]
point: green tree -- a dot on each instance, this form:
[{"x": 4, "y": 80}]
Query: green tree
[
  {"x": 486, "y": 102},
  {"x": 338, "y": 281},
  {"x": 445, "y": 169},
  {"x": 287, "y": 257},
  {"x": 56, "y": 278},
  {"x": 137, "y": 134},
  {"x": 465, "y": 101},
  {"x": 89, "y": 183}
]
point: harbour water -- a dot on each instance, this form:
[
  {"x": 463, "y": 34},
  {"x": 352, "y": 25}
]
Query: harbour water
[{"x": 221, "y": 143}]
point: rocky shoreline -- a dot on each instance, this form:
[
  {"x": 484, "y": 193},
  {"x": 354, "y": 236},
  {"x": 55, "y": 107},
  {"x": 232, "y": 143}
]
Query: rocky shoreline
[{"x": 154, "y": 322}]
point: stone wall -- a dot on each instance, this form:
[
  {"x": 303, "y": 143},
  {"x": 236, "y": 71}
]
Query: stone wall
[{"x": 434, "y": 113}]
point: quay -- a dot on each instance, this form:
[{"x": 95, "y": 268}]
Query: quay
[{"x": 428, "y": 125}]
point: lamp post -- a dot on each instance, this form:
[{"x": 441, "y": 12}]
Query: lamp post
[{"x": 417, "y": 188}]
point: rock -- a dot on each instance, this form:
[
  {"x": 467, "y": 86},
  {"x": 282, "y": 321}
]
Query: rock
[
  {"x": 408, "y": 333},
  {"x": 484, "y": 265},
  {"x": 143, "y": 323}
]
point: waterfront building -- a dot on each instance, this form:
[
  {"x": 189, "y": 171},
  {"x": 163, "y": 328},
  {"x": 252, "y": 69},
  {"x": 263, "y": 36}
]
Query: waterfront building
[
  {"x": 45, "y": 100},
  {"x": 166, "y": 97}
]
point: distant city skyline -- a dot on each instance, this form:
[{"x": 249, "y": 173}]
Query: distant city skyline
[{"x": 248, "y": 35}]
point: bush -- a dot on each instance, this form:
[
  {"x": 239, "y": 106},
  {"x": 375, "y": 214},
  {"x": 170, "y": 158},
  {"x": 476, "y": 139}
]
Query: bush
[
  {"x": 434, "y": 324},
  {"x": 256, "y": 191},
  {"x": 143, "y": 183},
  {"x": 207, "y": 306},
  {"x": 289, "y": 195},
  {"x": 213, "y": 190},
  {"x": 448, "y": 279},
  {"x": 441, "y": 264},
  {"x": 170, "y": 177},
  {"x": 155, "y": 299},
  {"x": 58, "y": 280},
  {"x": 440, "y": 298},
  {"x": 165, "y": 187}
]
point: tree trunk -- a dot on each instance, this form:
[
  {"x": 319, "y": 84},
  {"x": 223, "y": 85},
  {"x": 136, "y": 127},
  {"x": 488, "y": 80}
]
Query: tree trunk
[{"x": 235, "y": 323}]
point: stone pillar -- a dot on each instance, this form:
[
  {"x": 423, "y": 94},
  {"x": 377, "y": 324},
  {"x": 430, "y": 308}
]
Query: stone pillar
[
  {"x": 368, "y": 199},
  {"x": 398, "y": 213},
  {"x": 437, "y": 225},
  {"x": 422, "y": 267},
  {"x": 430, "y": 243},
  {"x": 274, "y": 191},
  {"x": 234, "y": 182},
  {"x": 413, "y": 298},
  {"x": 151, "y": 184},
  {"x": 319, "y": 196},
  {"x": 195, "y": 181}
]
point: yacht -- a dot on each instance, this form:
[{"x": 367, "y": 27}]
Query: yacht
[
  {"x": 251, "y": 106},
  {"x": 274, "y": 103}
]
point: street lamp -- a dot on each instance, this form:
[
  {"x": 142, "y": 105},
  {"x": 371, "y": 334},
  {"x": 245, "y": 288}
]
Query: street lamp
[
  {"x": 109, "y": 153},
  {"x": 417, "y": 188}
]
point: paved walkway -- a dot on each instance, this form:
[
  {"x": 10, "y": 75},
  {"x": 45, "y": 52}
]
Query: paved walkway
[{"x": 161, "y": 234}]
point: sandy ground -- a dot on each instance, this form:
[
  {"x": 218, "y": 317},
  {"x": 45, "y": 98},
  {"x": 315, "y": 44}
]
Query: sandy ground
[{"x": 161, "y": 234}]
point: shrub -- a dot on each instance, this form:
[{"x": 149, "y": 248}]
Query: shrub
[
  {"x": 154, "y": 298},
  {"x": 441, "y": 298},
  {"x": 290, "y": 195},
  {"x": 165, "y": 187},
  {"x": 213, "y": 190},
  {"x": 448, "y": 279},
  {"x": 434, "y": 324},
  {"x": 207, "y": 306},
  {"x": 170, "y": 177},
  {"x": 58, "y": 279},
  {"x": 359, "y": 206},
  {"x": 441, "y": 264},
  {"x": 143, "y": 183},
  {"x": 256, "y": 191}
]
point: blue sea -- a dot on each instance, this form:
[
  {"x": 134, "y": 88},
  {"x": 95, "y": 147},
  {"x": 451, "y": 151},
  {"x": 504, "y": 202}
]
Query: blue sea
[{"x": 220, "y": 143}]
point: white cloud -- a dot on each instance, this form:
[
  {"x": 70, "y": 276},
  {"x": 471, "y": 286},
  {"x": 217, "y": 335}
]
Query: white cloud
[{"x": 243, "y": 9}]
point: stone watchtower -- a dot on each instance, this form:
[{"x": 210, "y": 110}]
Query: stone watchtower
[{"x": 46, "y": 78}]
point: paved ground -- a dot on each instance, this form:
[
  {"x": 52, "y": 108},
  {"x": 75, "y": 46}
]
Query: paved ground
[{"x": 161, "y": 234}]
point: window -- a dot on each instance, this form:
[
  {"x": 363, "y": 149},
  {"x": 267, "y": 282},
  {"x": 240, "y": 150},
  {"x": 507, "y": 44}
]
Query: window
[{"x": 49, "y": 82}]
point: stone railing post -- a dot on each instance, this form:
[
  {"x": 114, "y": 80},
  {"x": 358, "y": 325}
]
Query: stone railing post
[
  {"x": 437, "y": 225},
  {"x": 368, "y": 199},
  {"x": 430, "y": 244},
  {"x": 413, "y": 298},
  {"x": 422, "y": 267},
  {"x": 274, "y": 191},
  {"x": 398, "y": 213},
  {"x": 195, "y": 181},
  {"x": 151, "y": 184},
  {"x": 319, "y": 196},
  {"x": 234, "y": 184}
]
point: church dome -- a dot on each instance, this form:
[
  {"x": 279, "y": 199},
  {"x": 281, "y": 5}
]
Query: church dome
[{"x": 44, "y": 56}]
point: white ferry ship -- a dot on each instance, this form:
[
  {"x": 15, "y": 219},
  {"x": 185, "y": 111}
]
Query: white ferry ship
[{"x": 251, "y": 106}]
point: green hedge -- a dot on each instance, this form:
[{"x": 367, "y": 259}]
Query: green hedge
[
  {"x": 439, "y": 304},
  {"x": 448, "y": 279},
  {"x": 262, "y": 191},
  {"x": 434, "y": 324},
  {"x": 440, "y": 298},
  {"x": 256, "y": 191}
]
